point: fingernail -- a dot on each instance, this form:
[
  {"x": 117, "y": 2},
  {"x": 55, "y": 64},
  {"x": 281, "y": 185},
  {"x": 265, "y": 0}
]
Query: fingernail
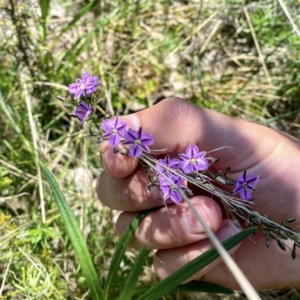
[{"x": 132, "y": 121}]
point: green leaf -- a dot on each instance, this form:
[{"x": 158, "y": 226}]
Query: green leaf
[
  {"x": 78, "y": 16},
  {"x": 234, "y": 98},
  {"x": 130, "y": 284},
  {"x": 45, "y": 6},
  {"x": 120, "y": 250},
  {"x": 75, "y": 235},
  {"x": 205, "y": 287},
  {"x": 194, "y": 266}
]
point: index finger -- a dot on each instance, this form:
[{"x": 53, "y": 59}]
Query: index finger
[{"x": 175, "y": 124}]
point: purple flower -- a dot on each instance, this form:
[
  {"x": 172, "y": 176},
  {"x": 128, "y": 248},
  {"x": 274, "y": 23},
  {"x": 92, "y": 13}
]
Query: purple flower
[
  {"x": 95, "y": 83},
  {"x": 245, "y": 185},
  {"x": 164, "y": 165},
  {"x": 193, "y": 160},
  {"x": 171, "y": 190},
  {"x": 86, "y": 85},
  {"x": 83, "y": 111},
  {"x": 114, "y": 130},
  {"x": 138, "y": 142}
]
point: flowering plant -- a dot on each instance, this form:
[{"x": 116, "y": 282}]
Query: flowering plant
[
  {"x": 175, "y": 176},
  {"x": 191, "y": 167}
]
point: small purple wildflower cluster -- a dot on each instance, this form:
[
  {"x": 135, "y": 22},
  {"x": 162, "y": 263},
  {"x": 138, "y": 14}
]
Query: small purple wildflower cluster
[
  {"x": 173, "y": 170},
  {"x": 87, "y": 85},
  {"x": 171, "y": 173},
  {"x": 117, "y": 133},
  {"x": 83, "y": 88}
]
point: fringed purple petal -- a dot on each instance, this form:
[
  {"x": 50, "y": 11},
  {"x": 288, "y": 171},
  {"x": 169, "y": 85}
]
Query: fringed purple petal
[
  {"x": 191, "y": 151},
  {"x": 83, "y": 111},
  {"x": 175, "y": 163},
  {"x": 166, "y": 196},
  {"x": 147, "y": 139},
  {"x": 140, "y": 133},
  {"x": 94, "y": 85},
  {"x": 186, "y": 167},
  {"x": 201, "y": 164},
  {"x": 251, "y": 188},
  {"x": 237, "y": 189},
  {"x": 200, "y": 155},
  {"x": 131, "y": 136},
  {"x": 244, "y": 176},
  {"x": 252, "y": 179},
  {"x": 73, "y": 87},
  {"x": 86, "y": 78},
  {"x": 145, "y": 148},
  {"x": 114, "y": 140},
  {"x": 183, "y": 156},
  {"x": 135, "y": 151},
  {"x": 79, "y": 92},
  {"x": 85, "y": 117},
  {"x": 175, "y": 197},
  {"x": 107, "y": 125},
  {"x": 106, "y": 135},
  {"x": 245, "y": 195},
  {"x": 120, "y": 126}
]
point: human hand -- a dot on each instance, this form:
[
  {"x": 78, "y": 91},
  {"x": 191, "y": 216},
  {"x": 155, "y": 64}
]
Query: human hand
[{"x": 175, "y": 232}]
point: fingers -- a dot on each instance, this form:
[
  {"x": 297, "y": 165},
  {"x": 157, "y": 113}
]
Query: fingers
[
  {"x": 170, "y": 260},
  {"x": 173, "y": 226},
  {"x": 116, "y": 164}
]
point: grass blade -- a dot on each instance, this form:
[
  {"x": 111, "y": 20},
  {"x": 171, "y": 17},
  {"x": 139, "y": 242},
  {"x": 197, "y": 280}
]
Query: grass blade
[
  {"x": 234, "y": 98},
  {"x": 192, "y": 267},
  {"x": 130, "y": 284},
  {"x": 75, "y": 235},
  {"x": 205, "y": 287},
  {"x": 120, "y": 250},
  {"x": 78, "y": 16},
  {"x": 45, "y": 8}
]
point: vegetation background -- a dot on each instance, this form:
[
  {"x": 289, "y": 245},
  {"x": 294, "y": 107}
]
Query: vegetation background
[{"x": 237, "y": 57}]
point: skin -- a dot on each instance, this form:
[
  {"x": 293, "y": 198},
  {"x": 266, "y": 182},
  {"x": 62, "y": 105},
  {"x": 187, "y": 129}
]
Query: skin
[{"x": 174, "y": 231}]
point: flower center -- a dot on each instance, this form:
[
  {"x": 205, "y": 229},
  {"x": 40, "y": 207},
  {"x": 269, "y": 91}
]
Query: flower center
[
  {"x": 114, "y": 131},
  {"x": 192, "y": 161},
  {"x": 82, "y": 86},
  {"x": 137, "y": 143},
  {"x": 245, "y": 185}
]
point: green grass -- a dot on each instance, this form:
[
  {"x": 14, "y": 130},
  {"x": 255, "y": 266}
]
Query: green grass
[{"x": 143, "y": 51}]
